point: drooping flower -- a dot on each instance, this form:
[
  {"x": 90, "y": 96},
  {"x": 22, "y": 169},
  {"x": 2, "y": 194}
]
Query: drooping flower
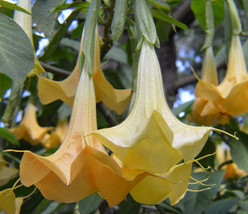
[
  {"x": 152, "y": 140},
  {"x": 217, "y": 103},
  {"x": 9, "y": 203},
  {"x": 81, "y": 166},
  {"x": 55, "y": 138},
  {"x": 29, "y": 129},
  {"x": 6, "y": 173},
  {"x": 65, "y": 90},
  {"x": 25, "y": 22},
  {"x": 231, "y": 170}
]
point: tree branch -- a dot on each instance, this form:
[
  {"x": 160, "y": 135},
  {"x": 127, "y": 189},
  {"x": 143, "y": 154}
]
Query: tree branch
[{"x": 54, "y": 70}]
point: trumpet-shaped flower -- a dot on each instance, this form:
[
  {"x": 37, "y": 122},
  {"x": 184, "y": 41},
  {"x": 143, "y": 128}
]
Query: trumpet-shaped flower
[
  {"x": 152, "y": 140},
  {"x": 217, "y": 103},
  {"x": 80, "y": 167},
  {"x": 9, "y": 203},
  {"x": 65, "y": 90},
  {"x": 6, "y": 173},
  {"x": 29, "y": 129},
  {"x": 25, "y": 22},
  {"x": 56, "y": 137}
]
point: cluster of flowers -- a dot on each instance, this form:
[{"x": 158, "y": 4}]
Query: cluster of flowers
[
  {"x": 152, "y": 151},
  {"x": 217, "y": 103}
]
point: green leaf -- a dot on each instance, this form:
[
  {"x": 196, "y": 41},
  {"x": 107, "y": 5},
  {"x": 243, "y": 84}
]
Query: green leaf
[
  {"x": 11, "y": 6},
  {"x": 43, "y": 204},
  {"x": 119, "y": 20},
  {"x": 239, "y": 194},
  {"x": 128, "y": 205},
  {"x": 244, "y": 205},
  {"x": 74, "y": 44},
  {"x": 117, "y": 54},
  {"x": 165, "y": 205},
  {"x": 89, "y": 204},
  {"x": 221, "y": 206},
  {"x": 83, "y": 6},
  {"x": 42, "y": 16},
  {"x": 239, "y": 151},
  {"x": 218, "y": 7},
  {"x": 16, "y": 51},
  {"x": 197, "y": 202},
  {"x": 164, "y": 17},
  {"x": 163, "y": 29},
  {"x": 89, "y": 34},
  {"x": 160, "y": 4},
  {"x": 5, "y": 83},
  {"x": 199, "y": 9},
  {"x": 145, "y": 21},
  {"x": 6, "y": 134}
]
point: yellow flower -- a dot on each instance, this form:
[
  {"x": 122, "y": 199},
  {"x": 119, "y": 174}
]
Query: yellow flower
[
  {"x": 81, "y": 166},
  {"x": 65, "y": 90},
  {"x": 217, "y": 103},
  {"x": 6, "y": 173},
  {"x": 231, "y": 170},
  {"x": 25, "y": 22},
  {"x": 29, "y": 129},
  {"x": 9, "y": 203},
  {"x": 152, "y": 140},
  {"x": 56, "y": 137}
]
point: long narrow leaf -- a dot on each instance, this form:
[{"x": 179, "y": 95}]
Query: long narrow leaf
[
  {"x": 12, "y": 6},
  {"x": 164, "y": 17}
]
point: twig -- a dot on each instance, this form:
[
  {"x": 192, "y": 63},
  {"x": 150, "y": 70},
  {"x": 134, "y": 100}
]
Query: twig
[
  {"x": 107, "y": 114},
  {"x": 55, "y": 70}
]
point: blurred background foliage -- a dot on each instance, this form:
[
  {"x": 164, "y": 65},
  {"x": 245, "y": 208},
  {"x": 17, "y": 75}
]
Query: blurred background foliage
[{"x": 57, "y": 28}]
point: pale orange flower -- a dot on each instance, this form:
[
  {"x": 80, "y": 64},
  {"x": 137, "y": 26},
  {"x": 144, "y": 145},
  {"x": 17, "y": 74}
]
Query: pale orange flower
[
  {"x": 9, "y": 203},
  {"x": 65, "y": 90},
  {"x": 81, "y": 166},
  {"x": 6, "y": 173},
  {"x": 152, "y": 140},
  {"x": 217, "y": 103},
  {"x": 29, "y": 129}
]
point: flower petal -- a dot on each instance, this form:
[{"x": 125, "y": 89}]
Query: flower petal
[
  {"x": 29, "y": 129},
  {"x": 50, "y": 90},
  {"x": 7, "y": 201},
  {"x": 209, "y": 73},
  {"x": 154, "y": 189}
]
